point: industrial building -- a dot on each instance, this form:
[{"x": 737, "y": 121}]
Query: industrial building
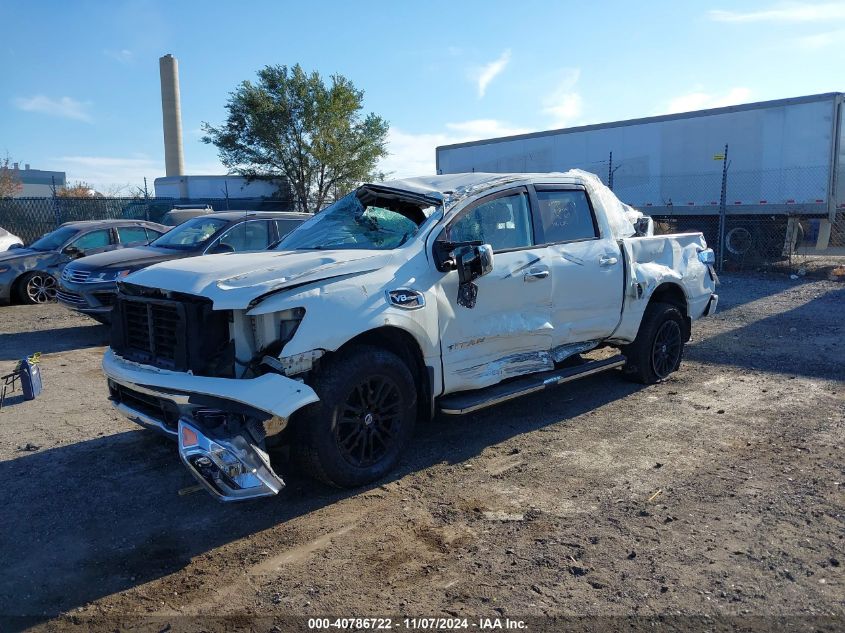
[
  {"x": 37, "y": 183},
  {"x": 201, "y": 186}
]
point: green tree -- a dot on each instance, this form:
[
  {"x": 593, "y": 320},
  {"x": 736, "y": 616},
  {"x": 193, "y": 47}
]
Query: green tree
[{"x": 294, "y": 124}]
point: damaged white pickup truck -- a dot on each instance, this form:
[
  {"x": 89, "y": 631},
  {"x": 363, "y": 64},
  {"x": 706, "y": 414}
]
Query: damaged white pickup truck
[{"x": 446, "y": 293}]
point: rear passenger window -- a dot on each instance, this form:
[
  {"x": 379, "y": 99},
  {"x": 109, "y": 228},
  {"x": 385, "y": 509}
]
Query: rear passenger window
[
  {"x": 286, "y": 226},
  {"x": 566, "y": 216},
  {"x": 132, "y": 235},
  {"x": 253, "y": 235},
  {"x": 503, "y": 222}
]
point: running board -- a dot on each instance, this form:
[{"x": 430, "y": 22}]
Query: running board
[{"x": 469, "y": 401}]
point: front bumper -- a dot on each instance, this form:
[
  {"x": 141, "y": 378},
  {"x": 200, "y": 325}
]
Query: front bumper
[
  {"x": 88, "y": 298},
  {"x": 171, "y": 402},
  {"x": 711, "y": 305},
  {"x": 6, "y": 281}
]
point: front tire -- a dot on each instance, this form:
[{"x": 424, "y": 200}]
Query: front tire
[
  {"x": 103, "y": 319},
  {"x": 659, "y": 346},
  {"x": 356, "y": 432},
  {"x": 37, "y": 287}
]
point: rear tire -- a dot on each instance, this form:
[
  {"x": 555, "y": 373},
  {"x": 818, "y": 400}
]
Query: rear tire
[
  {"x": 37, "y": 287},
  {"x": 659, "y": 346},
  {"x": 356, "y": 432}
]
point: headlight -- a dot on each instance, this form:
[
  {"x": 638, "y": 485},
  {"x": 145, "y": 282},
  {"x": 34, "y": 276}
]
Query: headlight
[
  {"x": 231, "y": 468},
  {"x": 290, "y": 320},
  {"x": 707, "y": 256},
  {"x": 109, "y": 275}
]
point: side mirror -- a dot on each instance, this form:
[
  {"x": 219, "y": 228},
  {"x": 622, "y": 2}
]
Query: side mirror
[
  {"x": 221, "y": 247},
  {"x": 473, "y": 262},
  {"x": 73, "y": 251}
]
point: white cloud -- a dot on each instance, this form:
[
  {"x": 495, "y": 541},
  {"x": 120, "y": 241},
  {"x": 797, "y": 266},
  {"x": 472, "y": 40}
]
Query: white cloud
[
  {"x": 488, "y": 72},
  {"x": 700, "y": 100},
  {"x": 564, "y": 104},
  {"x": 483, "y": 128},
  {"x": 785, "y": 12},
  {"x": 124, "y": 55},
  {"x": 65, "y": 107},
  {"x": 414, "y": 154},
  {"x": 104, "y": 173},
  {"x": 821, "y": 40}
]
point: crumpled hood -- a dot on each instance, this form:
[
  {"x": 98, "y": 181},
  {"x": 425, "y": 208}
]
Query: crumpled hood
[{"x": 233, "y": 281}]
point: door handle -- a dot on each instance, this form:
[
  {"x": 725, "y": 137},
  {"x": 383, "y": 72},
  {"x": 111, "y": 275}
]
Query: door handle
[
  {"x": 607, "y": 260},
  {"x": 535, "y": 274}
]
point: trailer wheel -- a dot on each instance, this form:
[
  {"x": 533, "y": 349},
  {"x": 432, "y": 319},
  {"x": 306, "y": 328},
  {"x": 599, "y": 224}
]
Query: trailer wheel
[
  {"x": 740, "y": 240},
  {"x": 659, "y": 346},
  {"x": 366, "y": 414}
]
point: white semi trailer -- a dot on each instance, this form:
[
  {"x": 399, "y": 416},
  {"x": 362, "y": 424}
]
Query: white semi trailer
[{"x": 785, "y": 160}]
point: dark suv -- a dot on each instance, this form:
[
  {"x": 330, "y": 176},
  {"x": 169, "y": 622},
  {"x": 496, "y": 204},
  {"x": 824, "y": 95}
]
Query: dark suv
[
  {"x": 29, "y": 274},
  {"x": 89, "y": 285}
]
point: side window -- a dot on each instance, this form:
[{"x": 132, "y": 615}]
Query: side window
[
  {"x": 286, "y": 226},
  {"x": 248, "y": 236},
  {"x": 92, "y": 240},
  {"x": 152, "y": 233},
  {"x": 503, "y": 223},
  {"x": 132, "y": 235},
  {"x": 566, "y": 216}
]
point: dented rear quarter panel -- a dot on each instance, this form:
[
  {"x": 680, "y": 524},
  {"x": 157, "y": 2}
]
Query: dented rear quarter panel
[{"x": 657, "y": 260}]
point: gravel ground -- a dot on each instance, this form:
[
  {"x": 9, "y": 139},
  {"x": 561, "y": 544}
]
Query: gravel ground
[{"x": 718, "y": 493}]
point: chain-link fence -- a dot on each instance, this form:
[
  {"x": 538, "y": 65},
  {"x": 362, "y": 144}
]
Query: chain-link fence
[
  {"x": 29, "y": 218},
  {"x": 771, "y": 217}
]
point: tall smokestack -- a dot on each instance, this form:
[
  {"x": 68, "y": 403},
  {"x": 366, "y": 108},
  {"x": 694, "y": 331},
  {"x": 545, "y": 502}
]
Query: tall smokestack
[{"x": 171, "y": 115}]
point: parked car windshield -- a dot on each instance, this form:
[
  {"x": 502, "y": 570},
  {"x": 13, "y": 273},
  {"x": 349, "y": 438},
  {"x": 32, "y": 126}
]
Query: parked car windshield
[
  {"x": 348, "y": 224},
  {"x": 191, "y": 234},
  {"x": 52, "y": 241}
]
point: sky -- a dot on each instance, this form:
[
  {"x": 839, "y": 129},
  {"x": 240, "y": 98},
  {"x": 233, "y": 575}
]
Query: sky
[{"x": 80, "y": 92}]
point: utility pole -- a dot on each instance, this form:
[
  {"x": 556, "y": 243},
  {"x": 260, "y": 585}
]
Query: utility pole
[
  {"x": 611, "y": 170},
  {"x": 55, "y": 201},
  {"x": 723, "y": 207}
]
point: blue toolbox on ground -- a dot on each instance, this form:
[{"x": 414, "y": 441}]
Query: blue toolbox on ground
[{"x": 29, "y": 374}]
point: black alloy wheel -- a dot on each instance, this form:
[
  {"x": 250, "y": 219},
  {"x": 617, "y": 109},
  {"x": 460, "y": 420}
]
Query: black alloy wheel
[
  {"x": 366, "y": 429},
  {"x": 356, "y": 432},
  {"x": 666, "y": 350}
]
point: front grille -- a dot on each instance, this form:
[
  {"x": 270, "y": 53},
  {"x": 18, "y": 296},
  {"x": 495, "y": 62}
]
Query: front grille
[
  {"x": 105, "y": 298},
  {"x": 153, "y": 329},
  {"x": 75, "y": 276},
  {"x": 180, "y": 335},
  {"x": 71, "y": 298}
]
